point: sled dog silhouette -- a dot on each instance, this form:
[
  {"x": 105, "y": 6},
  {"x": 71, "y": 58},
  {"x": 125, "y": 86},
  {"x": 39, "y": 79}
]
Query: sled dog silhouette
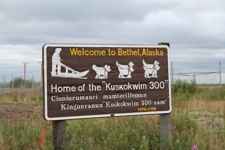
[
  {"x": 125, "y": 70},
  {"x": 151, "y": 70},
  {"x": 101, "y": 72}
]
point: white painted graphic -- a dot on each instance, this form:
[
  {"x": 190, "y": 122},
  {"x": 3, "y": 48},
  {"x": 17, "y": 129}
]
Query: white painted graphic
[
  {"x": 125, "y": 70},
  {"x": 151, "y": 70},
  {"x": 101, "y": 72},
  {"x": 58, "y": 66}
]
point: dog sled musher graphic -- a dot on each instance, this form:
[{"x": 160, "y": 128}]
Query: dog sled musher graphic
[{"x": 57, "y": 66}]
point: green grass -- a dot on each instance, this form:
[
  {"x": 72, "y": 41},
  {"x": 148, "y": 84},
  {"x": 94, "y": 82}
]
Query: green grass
[
  {"x": 189, "y": 126},
  {"x": 101, "y": 134},
  {"x": 127, "y": 133},
  {"x": 182, "y": 90},
  {"x": 19, "y": 135},
  {"x": 122, "y": 133},
  {"x": 210, "y": 93}
]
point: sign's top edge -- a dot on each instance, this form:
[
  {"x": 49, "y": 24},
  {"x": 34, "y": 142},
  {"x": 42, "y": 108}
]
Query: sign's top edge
[{"x": 103, "y": 45}]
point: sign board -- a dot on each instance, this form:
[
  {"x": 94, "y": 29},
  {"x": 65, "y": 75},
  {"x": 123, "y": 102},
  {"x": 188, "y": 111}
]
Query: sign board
[{"x": 86, "y": 81}]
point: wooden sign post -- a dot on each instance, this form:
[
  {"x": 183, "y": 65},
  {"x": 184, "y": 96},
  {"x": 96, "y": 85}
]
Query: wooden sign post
[
  {"x": 165, "y": 125},
  {"x": 90, "y": 81},
  {"x": 165, "y": 131},
  {"x": 58, "y": 132}
]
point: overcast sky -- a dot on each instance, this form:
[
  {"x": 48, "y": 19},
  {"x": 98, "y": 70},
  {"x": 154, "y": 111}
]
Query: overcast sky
[{"x": 194, "y": 28}]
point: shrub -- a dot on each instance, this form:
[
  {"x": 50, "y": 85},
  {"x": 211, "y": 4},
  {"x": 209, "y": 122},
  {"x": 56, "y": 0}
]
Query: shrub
[{"x": 183, "y": 90}]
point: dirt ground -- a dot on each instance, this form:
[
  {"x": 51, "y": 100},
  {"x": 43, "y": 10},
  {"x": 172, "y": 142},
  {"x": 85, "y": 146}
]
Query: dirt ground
[
  {"x": 19, "y": 104},
  {"x": 19, "y": 111}
]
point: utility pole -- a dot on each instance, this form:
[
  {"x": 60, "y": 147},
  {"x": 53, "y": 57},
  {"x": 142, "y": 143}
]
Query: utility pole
[
  {"x": 194, "y": 78},
  {"x": 41, "y": 75},
  {"x": 24, "y": 70},
  {"x": 165, "y": 121},
  {"x": 12, "y": 81},
  {"x": 172, "y": 72},
  {"x": 32, "y": 81},
  {"x": 24, "y": 73},
  {"x": 220, "y": 73}
]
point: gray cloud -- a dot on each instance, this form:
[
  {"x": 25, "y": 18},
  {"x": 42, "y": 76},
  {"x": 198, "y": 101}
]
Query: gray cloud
[
  {"x": 75, "y": 10},
  {"x": 192, "y": 27},
  {"x": 184, "y": 23}
]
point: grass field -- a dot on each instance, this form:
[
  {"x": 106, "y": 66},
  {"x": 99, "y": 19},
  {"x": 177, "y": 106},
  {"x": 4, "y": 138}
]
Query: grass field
[{"x": 198, "y": 118}]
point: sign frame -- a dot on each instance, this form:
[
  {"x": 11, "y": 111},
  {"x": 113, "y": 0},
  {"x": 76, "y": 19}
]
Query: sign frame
[{"x": 44, "y": 74}]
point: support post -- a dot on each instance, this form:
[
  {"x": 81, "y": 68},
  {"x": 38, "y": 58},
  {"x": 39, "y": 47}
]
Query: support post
[
  {"x": 165, "y": 131},
  {"x": 42, "y": 81},
  {"x": 172, "y": 73},
  {"x": 58, "y": 134},
  {"x": 165, "y": 124}
]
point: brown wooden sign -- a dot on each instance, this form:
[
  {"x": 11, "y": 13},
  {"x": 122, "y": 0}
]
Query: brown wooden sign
[{"x": 86, "y": 81}]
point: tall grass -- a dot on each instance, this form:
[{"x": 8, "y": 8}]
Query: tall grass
[
  {"x": 20, "y": 135},
  {"x": 212, "y": 94},
  {"x": 132, "y": 133},
  {"x": 182, "y": 90},
  {"x": 103, "y": 134},
  {"x": 112, "y": 134},
  {"x": 129, "y": 133}
]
